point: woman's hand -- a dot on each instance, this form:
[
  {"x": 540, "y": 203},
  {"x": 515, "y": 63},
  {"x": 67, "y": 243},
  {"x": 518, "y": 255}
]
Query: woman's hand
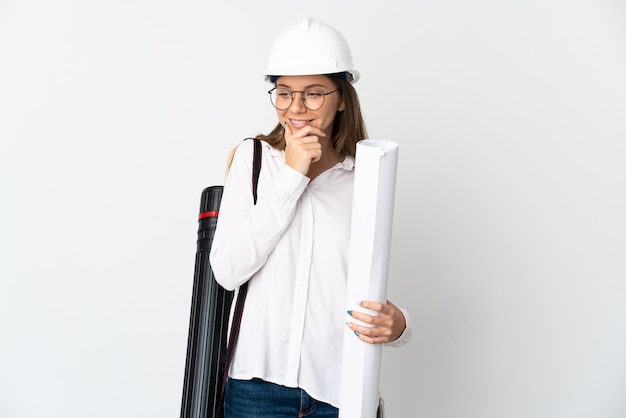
[
  {"x": 302, "y": 147},
  {"x": 388, "y": 325}
]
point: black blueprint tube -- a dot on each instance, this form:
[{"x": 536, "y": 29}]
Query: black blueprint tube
[{"x": 208, "y": 324}]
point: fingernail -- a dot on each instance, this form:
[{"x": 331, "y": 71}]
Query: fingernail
[
  {"x": 356, "y": 333},
  {"x": 349, "y": 313}
]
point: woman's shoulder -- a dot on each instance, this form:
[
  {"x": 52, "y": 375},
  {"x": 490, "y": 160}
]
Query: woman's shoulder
[
  {"x": 248, "y": 144},
  {"x": 243, "y": 152},
  {"x": 247, "y": 147}
]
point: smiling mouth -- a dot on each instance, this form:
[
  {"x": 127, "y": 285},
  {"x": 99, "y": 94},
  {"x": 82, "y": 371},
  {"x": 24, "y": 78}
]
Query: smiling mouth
[{"x": 299, "y": 123}]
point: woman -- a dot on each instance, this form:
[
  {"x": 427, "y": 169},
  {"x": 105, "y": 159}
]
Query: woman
[{"x": 293, "y": 244}]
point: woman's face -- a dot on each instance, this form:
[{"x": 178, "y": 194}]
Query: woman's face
[{"x": 297, "y": 115}]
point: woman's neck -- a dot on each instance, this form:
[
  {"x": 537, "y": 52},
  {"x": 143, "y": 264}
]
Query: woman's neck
[{"x": 328, "y": 160}]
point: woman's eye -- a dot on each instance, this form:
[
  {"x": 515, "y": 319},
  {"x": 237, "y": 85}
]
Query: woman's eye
[{"x": 313, "y": 94}]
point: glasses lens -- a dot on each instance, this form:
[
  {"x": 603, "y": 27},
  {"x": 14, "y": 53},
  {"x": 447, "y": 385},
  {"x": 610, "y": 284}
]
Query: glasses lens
[
  {"x": 281, "y": 98},
  {"x": 313, "y": 98}
]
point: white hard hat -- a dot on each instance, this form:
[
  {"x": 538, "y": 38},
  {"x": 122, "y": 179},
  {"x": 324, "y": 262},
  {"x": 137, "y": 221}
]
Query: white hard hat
[{"x": 310, "y": 47}]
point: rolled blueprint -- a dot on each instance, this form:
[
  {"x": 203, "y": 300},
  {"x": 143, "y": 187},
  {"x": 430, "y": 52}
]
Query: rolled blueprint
[
  {"x": 208, "y": 324},
  {"x": 368, "y": 265}
]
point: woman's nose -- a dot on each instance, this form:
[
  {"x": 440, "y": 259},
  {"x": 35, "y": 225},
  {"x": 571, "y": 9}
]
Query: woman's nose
[{"x": 297, "y": 103}]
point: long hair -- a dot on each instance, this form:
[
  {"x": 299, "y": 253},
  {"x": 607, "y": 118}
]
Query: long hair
[{"x": 348, "y": 127}]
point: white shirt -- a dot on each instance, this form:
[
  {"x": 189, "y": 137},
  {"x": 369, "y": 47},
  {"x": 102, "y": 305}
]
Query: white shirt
[{"x": 293, "y": 246}]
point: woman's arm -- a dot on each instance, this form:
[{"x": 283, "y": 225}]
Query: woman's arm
[{"x": 246, "y": 233}]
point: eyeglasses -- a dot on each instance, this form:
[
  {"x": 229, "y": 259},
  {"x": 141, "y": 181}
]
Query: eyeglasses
[{"x": 312, "y": 98}]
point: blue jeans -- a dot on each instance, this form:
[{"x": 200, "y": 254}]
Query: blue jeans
[{"x": 256, "y": 398}]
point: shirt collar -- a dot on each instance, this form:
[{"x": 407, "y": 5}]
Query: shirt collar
[{"x": 347, "y": 163}]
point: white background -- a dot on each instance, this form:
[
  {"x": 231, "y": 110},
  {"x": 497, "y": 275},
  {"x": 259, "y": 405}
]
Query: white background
[{"x": 509, "y": 245}]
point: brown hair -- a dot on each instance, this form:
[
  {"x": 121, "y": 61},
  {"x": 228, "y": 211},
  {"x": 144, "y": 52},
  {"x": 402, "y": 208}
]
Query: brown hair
[{"x": 348, "y": 127}]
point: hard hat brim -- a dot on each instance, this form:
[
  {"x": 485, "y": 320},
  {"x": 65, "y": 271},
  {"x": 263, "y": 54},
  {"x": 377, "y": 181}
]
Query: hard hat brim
[{"x": 352, "y": 76}]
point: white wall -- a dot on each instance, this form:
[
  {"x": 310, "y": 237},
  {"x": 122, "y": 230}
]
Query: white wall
[{"x": 510, "y": 236}]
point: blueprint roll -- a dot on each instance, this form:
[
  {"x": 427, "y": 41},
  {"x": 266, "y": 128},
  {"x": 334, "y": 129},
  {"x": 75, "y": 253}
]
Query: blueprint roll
[
  {"x": 368, "y": 265},
  {"x": 208, "y": 324}
]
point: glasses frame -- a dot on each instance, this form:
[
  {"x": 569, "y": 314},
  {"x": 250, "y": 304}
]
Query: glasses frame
[{"x": 301, "y": 98}]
